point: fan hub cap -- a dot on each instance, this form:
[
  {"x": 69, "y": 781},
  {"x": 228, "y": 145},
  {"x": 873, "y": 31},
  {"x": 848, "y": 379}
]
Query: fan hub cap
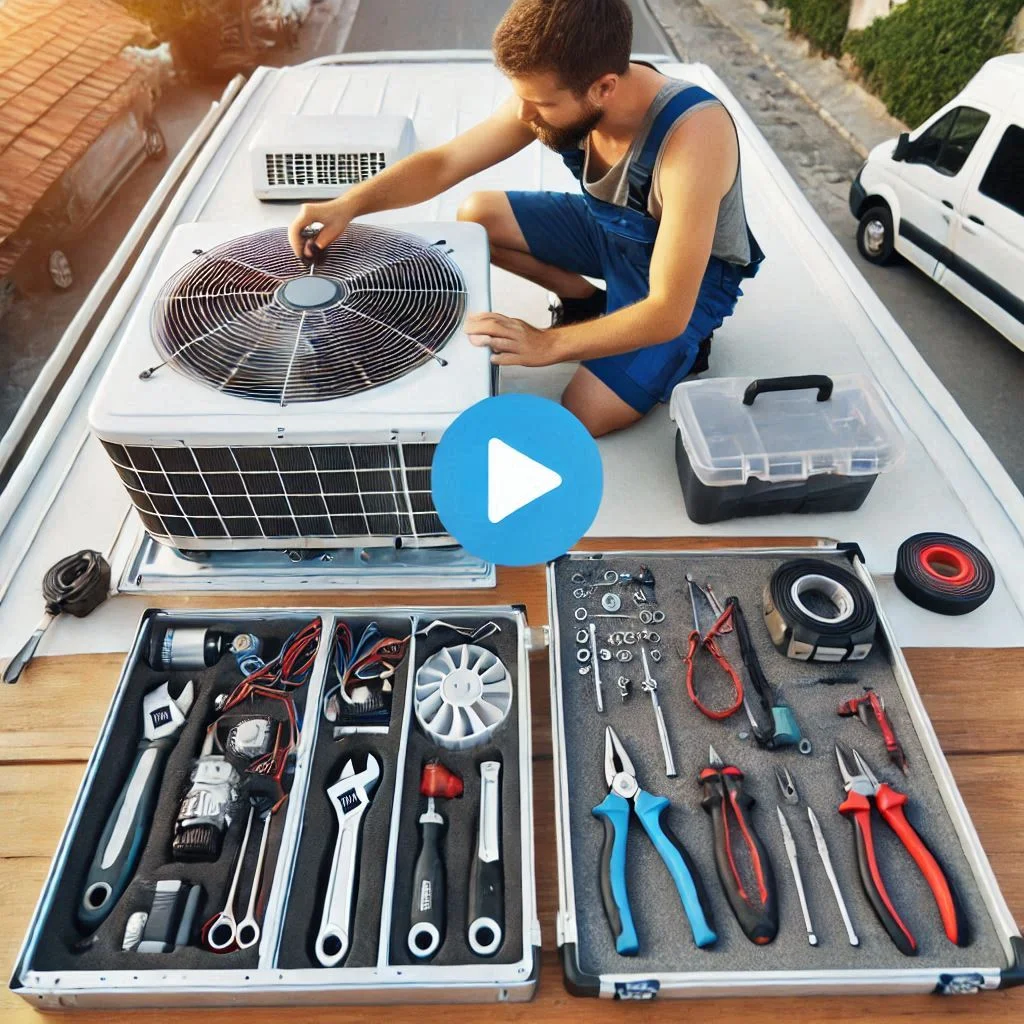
[
  {"x": 462, "y": 687},
  {"x": 311, "y": 292}
]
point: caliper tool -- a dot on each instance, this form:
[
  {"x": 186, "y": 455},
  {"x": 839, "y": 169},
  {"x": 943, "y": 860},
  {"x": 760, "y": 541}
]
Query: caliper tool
[
  {"x": 728, "y": 804},
  {"x": 120, "y": 845},
  {"x": 349, "y": 796},
  {"x": 864, "y": 792},
  {"x": 789, "y": 794},
  {"x": 873, "y": 703},
  {"x": 614, "y": 813},
  {"x": 826, "y": 860},
  {"x": 429, "y": 881},
  {"x": 783, "y": 730},
  {"x": 695, "y": 642}
]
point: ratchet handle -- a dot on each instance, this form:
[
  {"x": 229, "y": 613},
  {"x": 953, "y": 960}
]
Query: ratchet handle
[
  {"x": 683, "y": 871},
  {"x": 890, "y": 804},
  {"x": 429, "y": 890},
  {"x": 613, "y": 812},
  {"x": 120, "y": 845},
  {"x": 857, "y": 808}
]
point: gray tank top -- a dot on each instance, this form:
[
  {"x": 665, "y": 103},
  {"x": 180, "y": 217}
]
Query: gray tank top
[{"x": 731, "y": 242}]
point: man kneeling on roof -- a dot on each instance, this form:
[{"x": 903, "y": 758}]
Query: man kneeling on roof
[{"x": 659, "y": 219}]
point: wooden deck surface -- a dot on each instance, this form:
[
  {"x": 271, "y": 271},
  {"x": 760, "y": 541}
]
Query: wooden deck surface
[{"x": 50, "y": 720}]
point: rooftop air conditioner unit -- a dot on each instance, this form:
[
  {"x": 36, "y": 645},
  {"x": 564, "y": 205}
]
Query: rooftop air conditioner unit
[
  {"x": 256, "y": 402},
  {"x": 314, "y": 157}
]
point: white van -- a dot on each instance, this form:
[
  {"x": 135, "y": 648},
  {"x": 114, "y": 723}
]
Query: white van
[{"x": 950, "y": 196}]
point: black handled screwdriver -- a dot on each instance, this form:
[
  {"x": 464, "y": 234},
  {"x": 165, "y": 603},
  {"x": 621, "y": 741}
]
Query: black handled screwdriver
[{"x": 427, "y": 916}]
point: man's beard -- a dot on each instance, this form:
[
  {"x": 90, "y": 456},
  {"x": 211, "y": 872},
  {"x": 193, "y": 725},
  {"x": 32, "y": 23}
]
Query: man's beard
[{"x": 570, "y": 136}]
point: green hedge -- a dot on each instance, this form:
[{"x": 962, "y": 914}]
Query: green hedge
[
  {"x": 924, "y": 52},
  {"x": 823, "y": 22}
]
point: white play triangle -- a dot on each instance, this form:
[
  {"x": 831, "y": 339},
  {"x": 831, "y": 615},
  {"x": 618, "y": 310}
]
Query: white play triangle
[{"x": 514, "y": 480}]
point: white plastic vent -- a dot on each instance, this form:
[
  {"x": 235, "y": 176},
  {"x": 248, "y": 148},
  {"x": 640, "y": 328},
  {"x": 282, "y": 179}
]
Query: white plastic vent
[{"x": 318, "y": 157}]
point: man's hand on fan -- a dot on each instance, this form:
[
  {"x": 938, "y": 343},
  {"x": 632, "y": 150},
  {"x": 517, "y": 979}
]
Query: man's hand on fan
[
  {"x": 333, "y": 216},
  {"x": 513, "y": 342}
]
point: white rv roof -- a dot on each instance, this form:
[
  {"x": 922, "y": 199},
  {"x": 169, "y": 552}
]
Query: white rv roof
[{"x": 809, "y": 310}]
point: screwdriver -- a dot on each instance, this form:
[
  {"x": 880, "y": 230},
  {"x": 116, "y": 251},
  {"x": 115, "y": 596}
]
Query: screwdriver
[{"x": 727, "y": 803}]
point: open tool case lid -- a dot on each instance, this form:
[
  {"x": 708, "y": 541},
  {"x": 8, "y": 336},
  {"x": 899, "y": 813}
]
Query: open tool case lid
[
  {"x": 668, "y": 962},
  {"x": 281, "y": 969}
]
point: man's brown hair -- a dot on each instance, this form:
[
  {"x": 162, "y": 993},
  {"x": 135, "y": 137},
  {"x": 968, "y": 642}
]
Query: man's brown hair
[{"x": 579, "y": 40}]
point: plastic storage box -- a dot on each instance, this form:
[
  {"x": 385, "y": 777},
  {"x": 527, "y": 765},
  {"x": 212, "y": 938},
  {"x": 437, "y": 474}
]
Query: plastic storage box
[{"x": 782, "y": 444}]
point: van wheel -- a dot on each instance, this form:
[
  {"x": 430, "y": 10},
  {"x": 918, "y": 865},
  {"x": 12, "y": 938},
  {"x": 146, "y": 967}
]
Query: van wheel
[{"x": 875, "y": 235}]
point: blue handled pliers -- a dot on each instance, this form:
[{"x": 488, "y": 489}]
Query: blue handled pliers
[{"x": 614, "y": 813}]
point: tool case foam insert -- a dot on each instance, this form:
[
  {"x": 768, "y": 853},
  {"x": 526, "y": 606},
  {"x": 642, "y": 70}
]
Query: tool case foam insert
[
  {"x": 282, "y": 968},
  {"x": 668, "y": 962}
]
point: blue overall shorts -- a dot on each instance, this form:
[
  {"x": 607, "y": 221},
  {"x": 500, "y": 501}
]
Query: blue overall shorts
[{"x": 589, "y": 236}]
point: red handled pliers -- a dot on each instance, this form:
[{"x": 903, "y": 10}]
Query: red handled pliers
[{"x": 864, "y": 790}]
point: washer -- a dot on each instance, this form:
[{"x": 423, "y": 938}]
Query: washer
[
  {"x": 657, "y": 616},
  {"x": 646, "y": 616},
  {"x": 582, "y": 636},
  {"x": 580, "y": 615},
  {"x": 611, "y": 602},
  {"x": 583, "y": 655}
]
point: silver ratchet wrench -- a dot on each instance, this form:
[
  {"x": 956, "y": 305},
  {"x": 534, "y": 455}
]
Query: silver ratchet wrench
[{"x": 349, "y": 796}]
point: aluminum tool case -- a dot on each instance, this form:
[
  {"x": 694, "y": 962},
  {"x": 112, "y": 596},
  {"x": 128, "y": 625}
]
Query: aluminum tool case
[
  {"x": 282, "y": 969},
  {"x": 668, "y": 963}
]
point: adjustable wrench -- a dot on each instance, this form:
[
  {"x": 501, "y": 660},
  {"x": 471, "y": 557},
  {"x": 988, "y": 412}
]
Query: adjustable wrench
[
  {"x": 120, "y": 846},
  {"x": 350, "y": 796}
]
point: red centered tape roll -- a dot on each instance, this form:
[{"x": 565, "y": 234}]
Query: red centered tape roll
[{"x": 943, "y": 573}]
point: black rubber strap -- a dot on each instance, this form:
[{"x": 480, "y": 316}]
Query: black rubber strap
[{"x": 77, "y": 584}]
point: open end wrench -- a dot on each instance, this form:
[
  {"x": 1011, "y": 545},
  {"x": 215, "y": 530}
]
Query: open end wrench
[
  {"x": 248, "y": 931},
  {"x": 350, "y": 796},
  {"x": 221, "y": 933}
]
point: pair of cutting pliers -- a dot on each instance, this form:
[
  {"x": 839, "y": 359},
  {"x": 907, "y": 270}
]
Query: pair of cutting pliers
[
  {"x": 729, "y": 806},
  {"x": 864, "y": 790},
  {"x": 614, "y": 811}
]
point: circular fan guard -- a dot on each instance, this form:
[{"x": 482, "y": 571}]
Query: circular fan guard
[
  {"x": 462, "y": 694},
  {"x": 250, "y": 319}
]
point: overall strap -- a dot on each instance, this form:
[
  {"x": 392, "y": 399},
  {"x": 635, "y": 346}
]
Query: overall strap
[{"x": 641, "y": 167}]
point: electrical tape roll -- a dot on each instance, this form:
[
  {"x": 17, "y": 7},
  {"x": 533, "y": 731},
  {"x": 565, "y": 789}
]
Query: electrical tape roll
[
  {"x": 805, "y": 635},
  {"x": 943, "y": 573}
]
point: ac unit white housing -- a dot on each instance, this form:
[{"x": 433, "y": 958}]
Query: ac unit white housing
[
  {"x": 320, "y": 156},
  {"x": 208, "y": 470}
]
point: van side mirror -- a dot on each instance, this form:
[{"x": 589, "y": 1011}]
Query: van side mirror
[{"x": 902, "y": 147}]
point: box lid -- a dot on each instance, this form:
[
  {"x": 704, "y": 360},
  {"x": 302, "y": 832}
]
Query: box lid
[{"x": 784, "y": 428}]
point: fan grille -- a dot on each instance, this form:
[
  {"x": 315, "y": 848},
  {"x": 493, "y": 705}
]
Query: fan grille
[
  {"x": 249, "y": 493},
  {"x": 250, "y": 319}
]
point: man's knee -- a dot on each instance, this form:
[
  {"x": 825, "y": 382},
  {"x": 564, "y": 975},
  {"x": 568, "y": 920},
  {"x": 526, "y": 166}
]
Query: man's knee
[
  {"x": 493, "y": 211},
  {"x": 596, "y": 406}
]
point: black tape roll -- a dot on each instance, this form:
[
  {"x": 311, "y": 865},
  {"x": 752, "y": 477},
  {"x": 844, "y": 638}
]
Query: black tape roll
[
  {"x": 845, "y": 633},
  {"x": 943, "y": 573}
]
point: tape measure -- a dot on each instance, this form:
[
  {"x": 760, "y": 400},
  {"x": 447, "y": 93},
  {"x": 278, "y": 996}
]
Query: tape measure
[
  {"x": 839, "y": 628},
  {"x": 943, "y": 573}
]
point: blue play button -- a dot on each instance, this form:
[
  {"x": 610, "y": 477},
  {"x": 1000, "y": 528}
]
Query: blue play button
[{"x": 517, "y": 480}]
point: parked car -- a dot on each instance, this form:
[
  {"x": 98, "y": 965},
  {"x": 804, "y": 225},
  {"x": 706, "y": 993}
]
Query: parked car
[{"x": 949, "y": 197}]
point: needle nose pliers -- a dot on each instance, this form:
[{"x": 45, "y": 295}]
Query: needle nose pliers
[
  {"x": 864, "y": 791},
  {"x": 614, "y": 813}
]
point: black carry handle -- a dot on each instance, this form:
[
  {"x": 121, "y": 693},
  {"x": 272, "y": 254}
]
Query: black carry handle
[{"x": 798, "y": 383}]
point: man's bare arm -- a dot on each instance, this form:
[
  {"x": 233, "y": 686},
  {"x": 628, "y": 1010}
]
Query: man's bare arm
[{"x": 419, "y": 176}]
